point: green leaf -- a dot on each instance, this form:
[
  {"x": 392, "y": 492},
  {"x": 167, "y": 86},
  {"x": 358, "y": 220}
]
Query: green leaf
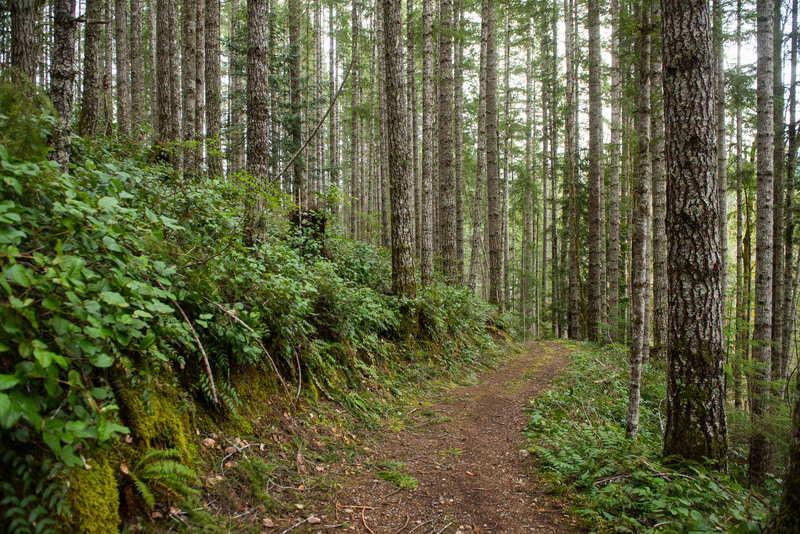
[
  {"x": 9, "y": 415},
  {"x": 113, "y": 298},
  {"x": 107, "y": 203},
  {"x": 156, "y": 306},
  {"x": 17, "y": 274},
  {"x": 102, "y": 360},
  {"x": 8, "y": 382}
]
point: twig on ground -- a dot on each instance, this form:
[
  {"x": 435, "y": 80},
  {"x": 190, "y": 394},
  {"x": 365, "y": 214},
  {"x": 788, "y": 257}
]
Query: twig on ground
[
  {"x": 444, "y": 528},
  {"x": 404, "y": 526},
  {"x": 364, "y": 519},
  {"x": 295, "y": 525},
  {"x": 421, "y": 525}
]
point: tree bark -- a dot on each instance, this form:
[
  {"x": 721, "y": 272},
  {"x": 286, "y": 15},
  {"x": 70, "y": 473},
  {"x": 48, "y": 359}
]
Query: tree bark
[
  {"x": 458, "y": 133},
  {"x": 596, "y": 222},
  {"x": 258, "y": 130},
  {"x": 696, "y": 425},
  {"x": 570, "y": 138},
  {"x": 778, "y": 195},
  {"x": 426, "y": 267},
  {"x": 444, "y": 107},
  {"x": 492, "y": 169},
  {"x": 90, "y": 104},
  {"x": 639, "y": 263},
  {"x": 742, "y": 318},
  {"x": 200, "y": 86},
  {"x": 137, "y": 67},
  {"x": 188, "y": 84},
  {"x": 295, "y": 15},
  {"x": 722, "y": 151},
  {"x": 477, "y": 206},
  {"x": 63, "y": 75},
  {"x": 760, "y": 448},
  {"x": 213, "y": 89},
  {"x": 613, "y": 177},
  {"x": 123, "y": 67},
  {"x": 24, "y": 40},
  {"x": 403, "y": 280},
  {"x": 659, "y": 244}
]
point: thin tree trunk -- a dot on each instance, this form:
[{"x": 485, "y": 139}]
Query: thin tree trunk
[
  {"x": 760, "y": 449},
  {"x": 63, "y": 75},
  {"x": 778, "y": 195},
  {"x": 477, "y": 206},
  {"x": 492, "y": 169},
  {"x": 137, "y": 67},
  {"x": 213, "y": 89},
  {"x": 458, "y": 133},
  {"x": 174, "y": 86},
  {"x": 504, "y": 184},
  {"x": 696, "y": 425},
  {"x": 639, "y": 294},
  {"x": 258, "y": 127},
  {"x": 123, "y": 67},
  {"x": 571, "y": 149},
  {"x": 741, "y": 318},
  {"x": 659, "y": 244},
  {"x": 90, "y": 105},
  {"x": 24, "y": 42},
  {"x": 613, "y": 177},
  {"x": 295, "y": 123},
  {"x": 200, "y": 86},
  {"x": 444, "y": 107},
  {"x": 189, "y": 84},
  {"x": 722, "y": 151},
  {"x": 596, "y": 222},
  {"x": 426, "y": 267}
]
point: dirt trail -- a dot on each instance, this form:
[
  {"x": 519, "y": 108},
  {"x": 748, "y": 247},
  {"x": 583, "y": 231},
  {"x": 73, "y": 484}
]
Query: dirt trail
[{"x": 468, "y": 455}]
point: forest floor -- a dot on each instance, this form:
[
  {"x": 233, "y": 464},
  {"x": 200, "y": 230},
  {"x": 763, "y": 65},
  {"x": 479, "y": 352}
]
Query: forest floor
[{"x": 464, "y": 449}]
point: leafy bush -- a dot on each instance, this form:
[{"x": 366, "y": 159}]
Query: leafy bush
[{"x": 576, "y": 431}]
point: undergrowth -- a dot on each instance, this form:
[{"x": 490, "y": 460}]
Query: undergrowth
[
  {"x": 576, "y": 432},
  {"x": 122, "y": 281}
]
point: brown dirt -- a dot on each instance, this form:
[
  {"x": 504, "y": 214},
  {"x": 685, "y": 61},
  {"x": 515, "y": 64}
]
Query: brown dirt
[{"x": 467, "y": 452}]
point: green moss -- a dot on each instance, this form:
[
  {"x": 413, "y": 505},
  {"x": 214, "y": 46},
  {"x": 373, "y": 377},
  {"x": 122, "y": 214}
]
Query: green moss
[
  {"x": 155, "y": 418},
  {"x": 401, "y": 480},
  {"x": 93, "y": 499}
]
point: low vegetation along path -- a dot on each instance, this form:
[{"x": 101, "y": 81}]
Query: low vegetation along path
[{"x": 468, "y": 455}]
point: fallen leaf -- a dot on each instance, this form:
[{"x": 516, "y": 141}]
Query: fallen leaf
[
  {"x": 267, "y": 522},
  {"x": 314, "y": 520},
  {"x": 471, "y": 474},
  {"x": 209, "y": 442},
  {"x": 173, "y": 511},
  {"x": 124, "y": 468},
  {"x": 156, "y": 515}
]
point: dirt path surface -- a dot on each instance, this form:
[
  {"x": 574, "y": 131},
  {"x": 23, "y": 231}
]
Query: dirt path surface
[{"x": 467, "y": 454}]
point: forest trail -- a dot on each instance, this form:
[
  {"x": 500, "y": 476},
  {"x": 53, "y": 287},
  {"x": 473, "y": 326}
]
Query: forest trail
[{"x": 467, "y": 453}]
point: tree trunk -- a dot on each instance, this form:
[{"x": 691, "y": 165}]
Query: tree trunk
[
  {"x": 137, "y": 67},
  {"x": 458, "y": 133},
  {"x": 696, "y": 427},
  {"x": 258, "y": 131},
  {"x": 295, "y": 15},
  {"x": 426, "y": 267},
  {"x": 492, "y": 169},
  {"x": 90, "y": 104},
  {"x": 24, "y": 41},
  {"x": 236, "y": 126},
  {"x": 741, "y": 317},
  {"x": 722, "y": 152},
  {"x": 213, "y": 89},
  {"x": 788, "y": 519},
  {"x": 613, "y": 177},
  {"x": 355, "y": 26},
  {"x": 760, "y": 448},
  {"x": 189, "y": 84},
  {"x": 570, "y": 138},
  {"x": 402, "y": 202},
  {"x": 63, "y": 74},
  {"x": 659, "y": 244},
  {"x": 477, "y": 206},
  {"x": 200, "y": 85},
  {"x": 174, "y": 86},
  {"x": 123, "y": 67},
  {"x": 778, "y": 195},
  {"x": 639, "y": 264},
  {"x": 596, "y": 222},
  {"x": 444, "y": 105},
  {"x": 504, "y": 184}
]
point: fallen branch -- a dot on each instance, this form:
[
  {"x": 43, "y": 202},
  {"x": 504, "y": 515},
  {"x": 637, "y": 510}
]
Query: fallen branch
[
  {"x": 404, "y": 526},
  {"x": 364, "y": 520},
  {"x": 199, "y": 344},
  {"x": 421, "y": 525},
  {"x": 274, "y": 367},
  {"x": 295, "y": 525}
]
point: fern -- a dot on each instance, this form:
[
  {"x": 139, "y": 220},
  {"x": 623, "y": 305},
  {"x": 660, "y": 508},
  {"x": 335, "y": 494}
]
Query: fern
[{"x": 161, "y": 472}]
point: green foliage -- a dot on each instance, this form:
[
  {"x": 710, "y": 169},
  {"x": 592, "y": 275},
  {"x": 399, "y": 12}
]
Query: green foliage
[
  {"x": 160, "y": 472},
  {"x": 576, "y": 430},
  {"x": 401, "y": 480},
  {"x": 26, "y": 117}
]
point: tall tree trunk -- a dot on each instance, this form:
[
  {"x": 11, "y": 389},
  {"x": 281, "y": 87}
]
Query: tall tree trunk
[
  {"x": 403, "y": 280},
  {"x": 426, "y": 267},
  {"x": 175, "y": 82},
  {"x": 355, "y": 26},
  {"x": 200, "y": 85},
  {"x": 137, "y": 67},
  {"x": 152, "y": 66},
  {"x": 741, "y": 318},
  {"x": 504, "y": 184},
  {"x": 528, "y": 246},
  {"x": 63, "y": 75},
  {"x": 640, "y": 293},
  {"x": 458, "y": 133},
  {"x": 90, "y": 104},
  {"x": 722, "y": 152},
  {"x": 596, "y": 222},
  {"x": 24, "y": 41},
  {"x": 447, "y": 211},
  {"x": 760, "y": 449},
  {"x": 571, "y": 157},
  {"x": 295, "y": 15},
  {"x": 237, "y": 126},
  {"x": 659, "y": 245},
  {"x": 213, "y": 89},
  {"x": 411, "y": 83},
  {"x": 492, "y": 169},
  {"x": 189, "y": 84},
  {"x": 696, "y": 427},
  {"x": 477, "y": 206},
  {"x": 258, "y": 131},
  {"x": 778, "y": 194},
  {"x": 791, "y": 165},
  {"x": 123, "y": 67},
  {"x": 165, "y": 133},
  {"x": 613, "y": 176}
]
